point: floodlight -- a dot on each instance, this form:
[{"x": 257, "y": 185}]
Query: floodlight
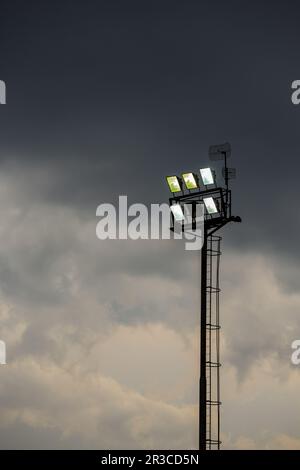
[
  {"x": 190, "y": 180},
  {"x": 207, "y": 176},
  {"x": 174, "y": 184},
  {"x": 177, "y": 212},
  {"x": 210, "y": 205}
]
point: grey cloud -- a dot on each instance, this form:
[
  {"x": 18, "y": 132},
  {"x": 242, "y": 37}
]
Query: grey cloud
[{"x": 105, "y": 100}]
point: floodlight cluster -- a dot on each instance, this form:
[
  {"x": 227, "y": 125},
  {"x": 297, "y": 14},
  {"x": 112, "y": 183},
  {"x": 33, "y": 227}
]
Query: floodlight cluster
[{"x": 190, "y": 181}]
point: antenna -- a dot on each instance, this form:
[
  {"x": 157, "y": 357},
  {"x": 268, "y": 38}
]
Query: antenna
[
  {"x": 231, "y": 173},
  {"x": 222, "y": 152},
  {"x": 216, "y": 152}
]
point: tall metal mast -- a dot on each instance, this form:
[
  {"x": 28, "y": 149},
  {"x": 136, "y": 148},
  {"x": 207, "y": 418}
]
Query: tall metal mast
[{"x": 209, "y": 383}]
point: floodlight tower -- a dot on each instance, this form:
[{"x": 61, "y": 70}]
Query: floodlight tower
[{"x": 217, "y": 203}]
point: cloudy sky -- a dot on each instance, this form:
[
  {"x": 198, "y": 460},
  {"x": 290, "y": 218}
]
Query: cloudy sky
[{"x": 105, "y": 98}]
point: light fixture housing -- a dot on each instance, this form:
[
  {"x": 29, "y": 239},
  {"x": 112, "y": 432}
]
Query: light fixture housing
[
  {"x": 190, "y": 180},
  {"x": 174, "y": 183},
  {"x": 210, "y": 205},
  {"x": 177, "y": 212},
  {"x": 207, "y": 176}
]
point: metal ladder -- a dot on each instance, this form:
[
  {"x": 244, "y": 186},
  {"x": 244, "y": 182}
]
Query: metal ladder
[{"x": 213, "y": 364}]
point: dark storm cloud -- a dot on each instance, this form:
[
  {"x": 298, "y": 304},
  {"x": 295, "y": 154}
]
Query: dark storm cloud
[
  {"x": 108, "y": 98},
  {"x": 105, "y": 99}
]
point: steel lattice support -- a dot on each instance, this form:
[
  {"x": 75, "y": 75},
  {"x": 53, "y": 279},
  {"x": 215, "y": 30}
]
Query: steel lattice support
[
  {"x": 209, "y": 409},
  {"x": 213, "y": 343}
]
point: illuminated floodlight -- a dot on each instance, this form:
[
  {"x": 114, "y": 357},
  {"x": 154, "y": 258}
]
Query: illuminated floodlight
[
  {"x": 190, "y": 180},
  {"x": 177, "y": 212},
  {"x": 207, "y": 176},
  {"x": 210, "y": 205},
  {"x": 174, "y": 184}
]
